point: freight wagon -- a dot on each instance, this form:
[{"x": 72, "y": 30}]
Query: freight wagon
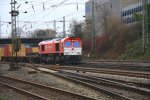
[{"x": 23, "y": 55}]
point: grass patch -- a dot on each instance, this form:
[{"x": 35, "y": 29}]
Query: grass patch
[
  {"x": 3, "y": 97},
  {"x": 135, "y": 51}
]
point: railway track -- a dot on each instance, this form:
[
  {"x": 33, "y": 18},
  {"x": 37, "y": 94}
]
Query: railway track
[
  {"x": 124, "y": 65},
  {"x": 106, "y": 91},
  {"x": 137, "y": 74},
  {"x": 131, "y": 92},
  {"x": 39, "y": 91},
  {"x": 118, "y": 61},
  {"x": 21, "y": 91},
  {"x": 89, "y": 82},
  {"x": 109, "y": 87}
]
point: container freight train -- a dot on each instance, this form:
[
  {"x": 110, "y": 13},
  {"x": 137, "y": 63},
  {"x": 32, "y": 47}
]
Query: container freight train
[{"x": 56, "y": 51}]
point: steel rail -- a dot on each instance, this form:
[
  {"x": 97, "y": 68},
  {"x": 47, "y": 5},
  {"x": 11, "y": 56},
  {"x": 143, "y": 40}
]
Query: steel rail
[
  {"x": 106, "y": 82},
  {"x": 21, "y": 91},
  {"x": 108, "y": 92},
  {"x": 48, "y": 88},
  {"x": 107, "y": 71},
  {"x": 138, "y": 74}
]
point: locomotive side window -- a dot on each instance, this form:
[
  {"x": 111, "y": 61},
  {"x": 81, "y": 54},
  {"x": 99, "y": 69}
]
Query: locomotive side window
[
  {"x": 57, "y": 46},
  {"x": 76, "y": 44},
  {"x": 42, "y": 46},
  {"x": 68, "y": 44}
]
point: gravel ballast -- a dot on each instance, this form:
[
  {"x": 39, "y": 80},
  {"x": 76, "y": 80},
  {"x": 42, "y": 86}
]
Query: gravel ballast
[
  {"x": 9, "y": 94},
  {"x": 53, "y": 81}
]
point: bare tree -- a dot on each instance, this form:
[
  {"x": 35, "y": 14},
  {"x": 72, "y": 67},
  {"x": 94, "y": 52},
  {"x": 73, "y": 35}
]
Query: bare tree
[
  {"x": 87, "y": 29},
  {"x": 72, "y": 26},
  {"x": 40, "y": 33},
  {"x": 76, "y": 28},
  {"x": 103, "y": 14}
]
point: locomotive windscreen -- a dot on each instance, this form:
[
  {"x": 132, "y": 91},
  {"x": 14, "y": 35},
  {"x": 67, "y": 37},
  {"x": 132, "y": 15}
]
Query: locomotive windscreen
[
  {"x": 76, "y": 44},
  {"x": 68, "y": 44}
]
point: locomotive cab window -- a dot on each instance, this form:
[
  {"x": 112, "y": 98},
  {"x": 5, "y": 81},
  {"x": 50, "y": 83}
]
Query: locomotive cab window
[
  {"x": 76, "y": 44},
  {"x": 68, "y": 44},
  {"x": 42, "y": 48}
]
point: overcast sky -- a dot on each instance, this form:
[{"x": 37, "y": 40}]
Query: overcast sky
[{"x": 41, "y": 14}]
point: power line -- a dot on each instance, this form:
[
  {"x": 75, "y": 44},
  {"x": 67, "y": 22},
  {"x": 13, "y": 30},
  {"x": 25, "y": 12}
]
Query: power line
[
  {"x": 54, "y": 8},
  {"x": 45, "y": 9},
  {"x": 32, "y": 7}
]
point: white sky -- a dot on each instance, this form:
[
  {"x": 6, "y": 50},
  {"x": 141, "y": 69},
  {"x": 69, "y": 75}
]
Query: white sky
[{"x": 40, "y": 18}]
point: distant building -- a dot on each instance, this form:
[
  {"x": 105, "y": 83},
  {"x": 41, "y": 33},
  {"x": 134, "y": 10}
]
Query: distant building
[
  {"x": 98, "y": 4},
  {"x": 125, "y": 3},
  {"x": 122, "y": 9},
  {"x": 128, "y": 12}
]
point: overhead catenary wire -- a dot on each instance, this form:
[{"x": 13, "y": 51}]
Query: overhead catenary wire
[
  {"x": 46, "y": 10},
  {"x": 32, "y": 8},
  {"x": 54, "y": 8},
  {"x": 47, "y": 5},
  {"x": 64, "y": 16}
]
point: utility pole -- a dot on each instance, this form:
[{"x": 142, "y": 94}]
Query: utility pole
[
  {"x": 54, "y": 25},
  {"x": 145, "y": 26},
  {"x": 0, "y": 28},
  {"x": 15, "y": 40},
  {"x": 64, "y": 27},
  {"x": 93, "y": 28}
]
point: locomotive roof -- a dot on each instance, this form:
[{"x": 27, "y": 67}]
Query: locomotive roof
[
  {"x": 54, "y": 40},
  {"x": 50, "y": 41}
]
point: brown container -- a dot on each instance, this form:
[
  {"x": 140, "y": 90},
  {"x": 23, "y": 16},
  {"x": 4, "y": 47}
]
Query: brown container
[
  {"x": 7, "y": 51},
  {"x": 28, "y": 50},
  {"x": 1, "y": 52}
]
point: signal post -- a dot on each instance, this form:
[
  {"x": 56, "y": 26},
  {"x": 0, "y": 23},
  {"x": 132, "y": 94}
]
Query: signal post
[{"x": 16, "y": 43}]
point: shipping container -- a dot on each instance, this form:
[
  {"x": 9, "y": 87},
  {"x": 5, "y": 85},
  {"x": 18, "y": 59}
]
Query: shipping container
[
  {"x": 1, "y": 52},
  {"x": 22, "y": 49},
  {"x": 35, "y": 50},
  {"x": 7, "y": 51},
  {"x": 28, "y": 50},
  {"x": 10, "y": 47},
  {"x": 21, "y": 54}
]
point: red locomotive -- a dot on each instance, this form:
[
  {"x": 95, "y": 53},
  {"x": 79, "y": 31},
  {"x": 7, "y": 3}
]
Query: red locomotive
[
  {"x": 60, "y": 50},
  {"x": 66, "y": 50}
]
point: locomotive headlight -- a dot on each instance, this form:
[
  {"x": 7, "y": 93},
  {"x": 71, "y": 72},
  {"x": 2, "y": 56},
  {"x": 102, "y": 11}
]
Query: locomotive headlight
[
  {"x": 79, "y": 52},
  {"x": 66, "y": 53}
]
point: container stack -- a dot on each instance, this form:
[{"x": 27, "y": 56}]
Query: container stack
[{"x": 6, "y": 51}]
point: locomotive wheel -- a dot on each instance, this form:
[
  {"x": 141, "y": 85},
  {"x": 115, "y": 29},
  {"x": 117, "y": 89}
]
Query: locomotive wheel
[
  {"x": 57, "y": 59},
  {"x": 49, "y": 60}
]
